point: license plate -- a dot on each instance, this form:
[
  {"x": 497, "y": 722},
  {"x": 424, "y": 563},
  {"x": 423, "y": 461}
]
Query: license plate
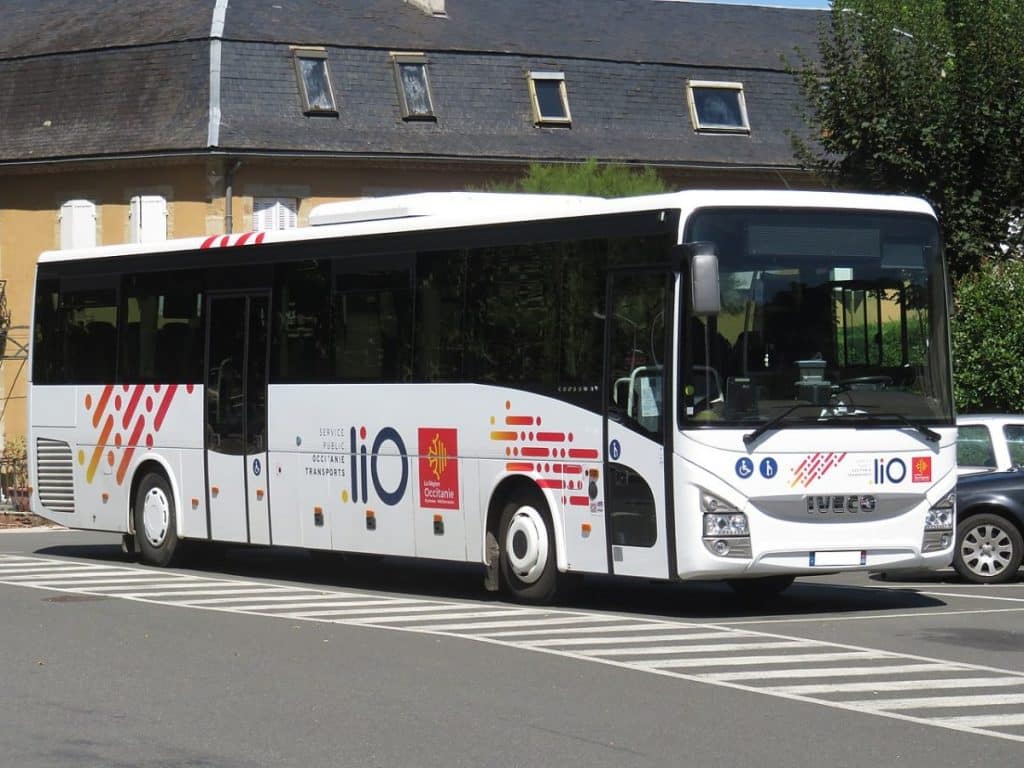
[{"x": 846, "y": 557}]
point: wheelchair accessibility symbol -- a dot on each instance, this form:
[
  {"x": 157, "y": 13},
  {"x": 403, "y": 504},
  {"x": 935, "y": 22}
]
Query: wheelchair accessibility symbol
[
  {"x": 256, "y": 467},
  {"x": 744, "y": 468}
]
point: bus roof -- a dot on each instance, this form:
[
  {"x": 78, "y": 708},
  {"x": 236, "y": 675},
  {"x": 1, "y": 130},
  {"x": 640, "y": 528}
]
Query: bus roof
[{"x": 448, "y": 210}]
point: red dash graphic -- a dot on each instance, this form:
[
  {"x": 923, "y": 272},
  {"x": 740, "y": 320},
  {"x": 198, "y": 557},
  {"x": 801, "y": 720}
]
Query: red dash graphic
[
  {"x": 537, "y": 453},
  {"x": 208, "y": 242},
  {"x": 132, "y": 404},
  {"x": 102, "y": 404},
  {"x": 504, "y": 435},
  {"x": 98, "y": 452},
  {"x": 164, "y": 405},
  {"x": 579, "y": 501},
  {"x": 260, "y": 237},
  {"x": 550, "y": 483},
  {"x": 572, "y": 469},
  {"x": 519, "y": 421},
  {"x": 243, "y": 238},
  {"x": 133, "y": 441},
  {"x": 582, "y": 453},
  {"x": 551, "y": 437},
  {"x": 519, "y": 466}
]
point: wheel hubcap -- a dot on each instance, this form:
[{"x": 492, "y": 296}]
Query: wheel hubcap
[
  {"x": 156, "y": 516},
  {"x": 986, "y": 550},
  {"x": 526, "y": 544}
]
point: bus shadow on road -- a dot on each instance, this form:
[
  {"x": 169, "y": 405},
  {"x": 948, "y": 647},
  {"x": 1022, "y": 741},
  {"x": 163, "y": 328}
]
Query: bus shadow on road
[{"x": 460, "y": 581}]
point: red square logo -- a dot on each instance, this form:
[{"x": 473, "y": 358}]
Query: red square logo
[
  {"x": 439, "y": 468},
  {"x": 921, "y": 469}
]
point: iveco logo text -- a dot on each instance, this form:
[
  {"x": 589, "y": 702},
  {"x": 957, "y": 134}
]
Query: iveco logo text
[{"x": 840, "y": 504}]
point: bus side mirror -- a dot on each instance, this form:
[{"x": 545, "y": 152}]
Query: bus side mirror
[{"x": 706, "y": 294}]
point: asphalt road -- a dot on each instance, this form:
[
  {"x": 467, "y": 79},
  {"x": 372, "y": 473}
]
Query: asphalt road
[{"x": 271, "y": 658}]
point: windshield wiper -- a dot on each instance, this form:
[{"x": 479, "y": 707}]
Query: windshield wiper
[
  {"x": 929, "y": 434},
  {"x": 774, "y": 422}
]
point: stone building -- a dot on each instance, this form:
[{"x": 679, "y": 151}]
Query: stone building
[{"x": 123, "y": 123}]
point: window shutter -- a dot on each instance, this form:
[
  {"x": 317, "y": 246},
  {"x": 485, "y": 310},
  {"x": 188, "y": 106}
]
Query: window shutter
[
  {"x": 147, "y": 218},
  {"x": 269, "y": 213},
  {"x": 78, "y": 224}
]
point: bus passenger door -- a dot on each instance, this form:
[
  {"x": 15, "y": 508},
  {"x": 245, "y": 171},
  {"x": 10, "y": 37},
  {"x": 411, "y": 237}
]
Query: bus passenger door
[
  {"x": 236, "y": 417},
  {"x": 637, "y": 416}
]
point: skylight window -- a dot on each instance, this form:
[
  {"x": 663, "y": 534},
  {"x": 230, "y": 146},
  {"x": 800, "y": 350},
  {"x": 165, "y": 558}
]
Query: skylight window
[
  {"x": 314, "y": 82},
  {"x": 413, "y": 86},
  {"x": 549, "y": 98},
  {"x": 717, "y": 107}
]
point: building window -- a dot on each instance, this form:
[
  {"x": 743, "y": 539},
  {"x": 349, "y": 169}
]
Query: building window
[
  {"x": 413, "y": 86},
  {"x": 718, "y": 107},
  {"x": 147, "y": 219},
  {"x": 270, "y": 213},
  {"x": 549, "y": 98},
  {"x": 314, "y": 82},
  {"x": 78, "y": 224}
]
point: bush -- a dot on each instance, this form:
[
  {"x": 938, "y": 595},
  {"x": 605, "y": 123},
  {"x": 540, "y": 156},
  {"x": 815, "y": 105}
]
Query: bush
[
  {"x": 587, "y": 178},
  {"x": 988, "y": 339}
]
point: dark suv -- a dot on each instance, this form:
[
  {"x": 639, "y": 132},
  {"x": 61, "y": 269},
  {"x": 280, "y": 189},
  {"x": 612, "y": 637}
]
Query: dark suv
[{"x": 990, "y": 514}]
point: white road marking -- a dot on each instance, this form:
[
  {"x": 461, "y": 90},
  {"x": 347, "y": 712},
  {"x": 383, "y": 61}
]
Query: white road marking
[
  {"x": 708, "y": 648},
  {"x": 974, "y": 596},
  {"x": 843, "y": 671},
  {"x": 900, "y": 685},
  {"x": 747, "y": 661},
  {"x": 574, "y": 641},
  {"x": 983, "y": 721},
  {"x": 931, "y": 702},
  {"x": 867, "y": 617},
  {"x": 618, "y": 641}
]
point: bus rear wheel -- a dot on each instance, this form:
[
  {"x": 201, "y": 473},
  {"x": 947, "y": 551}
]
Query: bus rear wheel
[
  {"x": 527, "y": 551},
  {"x": 156, "y": 531}
]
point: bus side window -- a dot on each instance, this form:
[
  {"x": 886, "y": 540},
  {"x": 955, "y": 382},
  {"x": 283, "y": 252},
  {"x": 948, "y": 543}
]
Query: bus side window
[{"x": 90, "y": 317}]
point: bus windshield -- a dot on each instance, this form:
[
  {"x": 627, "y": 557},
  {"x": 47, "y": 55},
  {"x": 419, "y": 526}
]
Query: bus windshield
[{"x": 827, "y": 318}]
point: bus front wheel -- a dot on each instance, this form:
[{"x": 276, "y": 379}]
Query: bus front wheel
[
  {"x": 156, "y": 533},
  {"x": 527, "y": 551}
]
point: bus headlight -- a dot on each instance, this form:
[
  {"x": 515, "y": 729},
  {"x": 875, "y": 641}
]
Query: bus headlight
[
  {"x": 721, "y": 518},
  {"x": 941, "y": 516}
]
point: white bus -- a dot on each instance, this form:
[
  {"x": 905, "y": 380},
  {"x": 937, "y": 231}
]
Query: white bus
[{"x": 733, "y": 385}]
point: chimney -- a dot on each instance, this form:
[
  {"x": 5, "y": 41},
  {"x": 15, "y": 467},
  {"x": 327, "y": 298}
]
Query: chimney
[{"x": 429, "y": 7}]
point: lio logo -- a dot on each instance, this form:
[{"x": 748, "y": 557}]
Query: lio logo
[
  {"x": 892, "y": 471},
  {"x": 363, "y": 469}
]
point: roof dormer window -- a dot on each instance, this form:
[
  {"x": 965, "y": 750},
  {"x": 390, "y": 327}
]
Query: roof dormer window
[
  {"x": 314, "y": 81},
  {"x": 413, "y": 86},
  {"x": 549, "y": 98},
  {"x": 717, "y": 107}
]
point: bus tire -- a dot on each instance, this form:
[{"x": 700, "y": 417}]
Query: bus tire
[
  {"x": 156, "y": 532},
  {"x": 760, "y": 588},
  {"x": 526, "y": 540}
]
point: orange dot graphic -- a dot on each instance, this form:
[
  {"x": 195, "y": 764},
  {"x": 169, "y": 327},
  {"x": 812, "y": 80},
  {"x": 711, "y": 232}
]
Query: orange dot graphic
[
  {"x": 88, "y": 402},
  {"x": 508, "y": 405},
  {"x": 110, "y": 458}
]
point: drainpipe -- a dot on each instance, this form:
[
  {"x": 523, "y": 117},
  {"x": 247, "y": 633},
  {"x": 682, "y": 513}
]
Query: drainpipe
[{"x": 229, "y": 182}]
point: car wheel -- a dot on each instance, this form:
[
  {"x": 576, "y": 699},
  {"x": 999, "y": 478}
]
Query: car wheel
[{"x": 988, "y": 549}]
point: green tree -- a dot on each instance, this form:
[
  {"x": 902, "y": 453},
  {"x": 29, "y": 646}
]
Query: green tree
[
  {"x": 925, "y": 97},
  {"x": 988, "y": 337},
  {"x": 588, "y": 178}
]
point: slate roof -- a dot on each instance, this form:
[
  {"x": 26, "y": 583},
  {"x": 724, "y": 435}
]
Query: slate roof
[{"x": 104, "y": 78}]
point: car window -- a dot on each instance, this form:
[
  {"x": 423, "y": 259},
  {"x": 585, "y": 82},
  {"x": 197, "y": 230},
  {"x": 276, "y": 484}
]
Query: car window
[
  {"x": 1014, "y": 434},
  {"x": 974, "y": 446}
]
